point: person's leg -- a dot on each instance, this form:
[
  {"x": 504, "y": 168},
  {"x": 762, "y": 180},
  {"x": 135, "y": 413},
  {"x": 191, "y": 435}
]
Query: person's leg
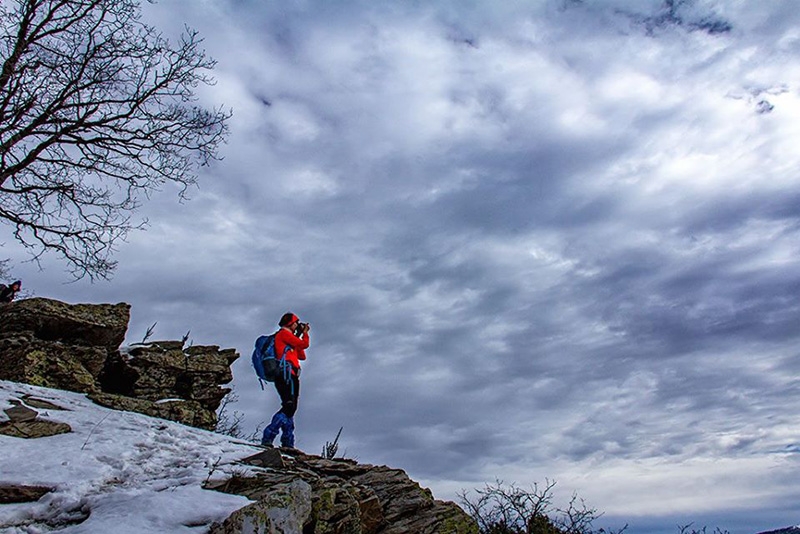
[
  {"x": 280, "y": 418},
  {"x": 289, "y": 392},
  {"x": 271, "y": 431},
  {"x": 287, "y": 437}
]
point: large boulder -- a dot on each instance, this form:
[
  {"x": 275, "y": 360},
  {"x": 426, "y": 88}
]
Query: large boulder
[
  {"x": 49, "y": 343},
  {"x": 75, "y": 347},
  {"x": 163, "y": 369},
  {"x": 165, "y": 380},
  {"x": 285, "y": 509},
  {"x": 93, "y": 325}
]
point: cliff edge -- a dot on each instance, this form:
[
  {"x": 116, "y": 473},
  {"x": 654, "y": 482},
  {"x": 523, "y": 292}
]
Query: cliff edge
[{"x": 123, "y": 463}]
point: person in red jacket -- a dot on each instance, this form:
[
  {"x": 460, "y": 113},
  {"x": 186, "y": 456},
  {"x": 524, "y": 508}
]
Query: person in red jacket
[{"x": 292, "y": 341}]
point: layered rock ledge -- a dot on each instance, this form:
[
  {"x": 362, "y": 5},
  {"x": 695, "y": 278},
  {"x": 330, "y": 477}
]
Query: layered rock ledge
[
  {"x": 76, "y": 347},
  {"x": 297, "y": 492}
]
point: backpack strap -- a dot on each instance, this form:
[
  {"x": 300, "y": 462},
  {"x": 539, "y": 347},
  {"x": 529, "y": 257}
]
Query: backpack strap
[{"x": 286, "y": 369}]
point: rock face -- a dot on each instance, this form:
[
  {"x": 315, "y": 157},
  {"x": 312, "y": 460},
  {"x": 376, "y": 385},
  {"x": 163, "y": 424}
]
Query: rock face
[
  {"x": 93, "y": 325},
  {"x": 76, "y": 347},
  {"x": 53, "y": 344},
  {"x": 312, "y": 495},
  {"x": 164, "y": 380}
]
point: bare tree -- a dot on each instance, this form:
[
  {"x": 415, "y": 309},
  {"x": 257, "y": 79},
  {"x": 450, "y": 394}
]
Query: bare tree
[
  {"x": 576, "y": 518},
  {"x": 229, "y": 422},
  {"x": 97, "y": 111},
  {"x": 508, "y": 509}
]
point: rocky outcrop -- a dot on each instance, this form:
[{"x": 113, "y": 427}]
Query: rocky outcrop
[
  {"x": 92, "y": 325},
  {"x": 162, "y": 379},
  {"x": 290, "y": 492},
  {"x": 64, "y": 346},
  {"x": 164, "y": 370},
  {"x": 76, "y": 347},
  {"x": 310, "y": 494}
]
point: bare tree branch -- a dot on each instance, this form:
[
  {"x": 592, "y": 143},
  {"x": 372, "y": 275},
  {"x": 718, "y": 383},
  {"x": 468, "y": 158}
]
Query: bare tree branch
[{"x": 97, "y": 109}]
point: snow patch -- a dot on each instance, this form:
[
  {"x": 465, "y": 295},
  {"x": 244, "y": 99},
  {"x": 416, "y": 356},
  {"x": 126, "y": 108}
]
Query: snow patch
[{"x": 118, "y": 472}]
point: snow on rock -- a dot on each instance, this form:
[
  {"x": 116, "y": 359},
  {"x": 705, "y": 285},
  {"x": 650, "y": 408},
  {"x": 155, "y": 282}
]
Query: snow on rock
[
  {"x": 116, "y": 471},
  {"x": 126, "y": 473}
]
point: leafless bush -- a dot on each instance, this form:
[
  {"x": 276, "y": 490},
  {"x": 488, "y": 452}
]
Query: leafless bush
[
  {"x": 331, "y": 448},
  {"x": 149, "y": 333},
  {"x": 229, "y": 422},
  {"x": 690, "y": 529},
  {"x": 508, "y": 509}
]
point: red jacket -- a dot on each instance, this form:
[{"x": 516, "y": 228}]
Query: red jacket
[{"x": 297, "y": 346}]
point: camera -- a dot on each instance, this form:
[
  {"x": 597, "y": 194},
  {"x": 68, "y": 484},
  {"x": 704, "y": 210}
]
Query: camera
[{"x": 301, "y": 327}]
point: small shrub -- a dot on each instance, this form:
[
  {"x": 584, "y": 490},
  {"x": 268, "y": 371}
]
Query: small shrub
[{"x": 508, "y": 509}]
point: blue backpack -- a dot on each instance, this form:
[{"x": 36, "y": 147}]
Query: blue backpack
[{"x": 268, "y": 366}]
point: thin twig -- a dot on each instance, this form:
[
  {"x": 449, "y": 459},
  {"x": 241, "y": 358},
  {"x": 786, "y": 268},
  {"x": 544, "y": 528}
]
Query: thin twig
[{"x": 93, "y": 429}]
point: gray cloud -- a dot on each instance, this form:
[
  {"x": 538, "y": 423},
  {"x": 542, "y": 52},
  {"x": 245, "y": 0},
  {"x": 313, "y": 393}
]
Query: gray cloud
[{"x": 554, "y": 240}]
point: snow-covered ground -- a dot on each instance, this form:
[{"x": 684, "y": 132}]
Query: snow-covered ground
[{"x": 131, "y": 473}]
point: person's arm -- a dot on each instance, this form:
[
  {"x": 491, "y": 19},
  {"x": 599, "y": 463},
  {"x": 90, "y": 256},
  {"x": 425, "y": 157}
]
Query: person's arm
[
  {"x": 301, "y": 351},
  {"x": 292, "y": 340}
]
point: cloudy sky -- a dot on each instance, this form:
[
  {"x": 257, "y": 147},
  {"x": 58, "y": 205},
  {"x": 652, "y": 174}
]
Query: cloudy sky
[{"x": 553, "y": 239}]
